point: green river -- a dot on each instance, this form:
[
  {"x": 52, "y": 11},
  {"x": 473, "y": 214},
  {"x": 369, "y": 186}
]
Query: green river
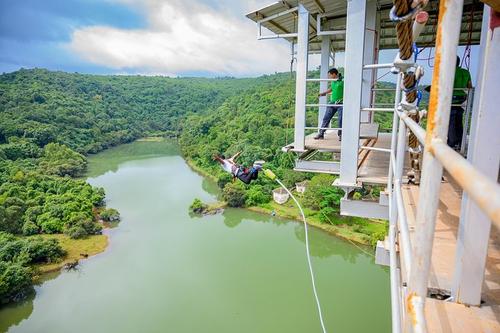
[{"x": 165, "y": 271}]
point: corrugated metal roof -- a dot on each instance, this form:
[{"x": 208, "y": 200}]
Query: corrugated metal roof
[{"x": 471, "y": 21}]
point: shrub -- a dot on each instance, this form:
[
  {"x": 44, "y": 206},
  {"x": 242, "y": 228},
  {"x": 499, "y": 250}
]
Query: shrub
[
  {"x": 197, "y": 206},
  {"x": 223, "y": 180},
  {"x": 30, "y": 228},
  {"x": 82, "y": 228},
  {"x": 110, "y": 214},
  {"x": 42, "y": 250},
  {"x": 256, "y": 195},
  {"x": 376, "y": 236},
  {"x": 15, "y": 281},
  {"x": 234, "y": 194},
  {"x": 76, "y": 232}
]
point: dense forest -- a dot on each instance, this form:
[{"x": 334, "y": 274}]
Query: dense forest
[
  {"x": 258, "y": 124},
  {"x": 50, "y": 121}
]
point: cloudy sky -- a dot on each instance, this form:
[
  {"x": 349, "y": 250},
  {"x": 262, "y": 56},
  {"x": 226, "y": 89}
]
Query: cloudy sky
[
  {"x": 174, "y": 37},
  {"x": 151, "y": 37}
]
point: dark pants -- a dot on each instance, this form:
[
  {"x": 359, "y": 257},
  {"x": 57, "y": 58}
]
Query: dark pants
[
  {"x": 456, "y": 127},
  {"x": 330, "y": 112},
  {"x": 248, "y": 175}
]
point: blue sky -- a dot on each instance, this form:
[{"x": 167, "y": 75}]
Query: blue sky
[
  {"x": 166, "y": 37},
  {"x": 33, "y": 33},
  {"x": 174, "y": 37}
]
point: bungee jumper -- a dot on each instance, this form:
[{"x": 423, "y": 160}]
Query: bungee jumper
[{"x": 246, "y": 175}]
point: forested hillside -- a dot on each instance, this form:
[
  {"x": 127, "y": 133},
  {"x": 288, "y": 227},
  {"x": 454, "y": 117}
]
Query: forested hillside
[
  {"x": 48, "y": 122},
  {"x": 89, "y": 113},
  {"x": 259, "y": 123}
]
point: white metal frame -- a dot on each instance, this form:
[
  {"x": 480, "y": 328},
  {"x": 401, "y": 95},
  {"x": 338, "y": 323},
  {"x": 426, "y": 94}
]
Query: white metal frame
[
  {"x": 320, "y": 32},
  {"x": 475, "y": 225},
  {"x": 356, "y": 18},
  {"x": 260, "y": 36},
  {"x": 301, "y": 75}
]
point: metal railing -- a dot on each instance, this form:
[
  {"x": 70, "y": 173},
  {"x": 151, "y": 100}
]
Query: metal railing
[{"x": 410, "y": 289}]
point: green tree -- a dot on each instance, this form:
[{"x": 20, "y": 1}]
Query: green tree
[{"x": 234, "y": 194}]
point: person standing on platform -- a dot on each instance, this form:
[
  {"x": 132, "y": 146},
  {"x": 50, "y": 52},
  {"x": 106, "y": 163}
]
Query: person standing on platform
[
  {"x": 461, "y": 83},
  {"x": 336, "y": 92}
]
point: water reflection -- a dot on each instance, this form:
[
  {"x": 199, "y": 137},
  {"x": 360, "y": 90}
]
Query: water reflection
[
  {"x": 14, "y": 313},
  {"x": 325, "y": 245},
  {"x": 138, "y": 150},
  {"x": 234, "y": 216},
  {"x": 210, "y": 187}
]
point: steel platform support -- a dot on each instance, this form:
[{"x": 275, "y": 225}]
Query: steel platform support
[
  {"x": 301, "y": 76},
  {"x": 474, "y": 229},
  {"x": 371, "y": 46},
  {"x": 325, "y": 66},
  {"x": 355, "y": 32}
]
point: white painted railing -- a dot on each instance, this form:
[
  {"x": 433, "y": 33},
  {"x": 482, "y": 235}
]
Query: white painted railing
[{"x": 416, "y": 256}]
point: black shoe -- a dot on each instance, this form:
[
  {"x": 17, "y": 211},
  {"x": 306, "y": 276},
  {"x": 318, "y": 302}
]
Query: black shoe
[{"x": 319, "y": 137}]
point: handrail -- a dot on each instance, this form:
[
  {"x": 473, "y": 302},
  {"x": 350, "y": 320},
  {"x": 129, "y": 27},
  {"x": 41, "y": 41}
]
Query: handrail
[
  {"x": 483, "y": 191},
  {"x": 413, "y": 126}
]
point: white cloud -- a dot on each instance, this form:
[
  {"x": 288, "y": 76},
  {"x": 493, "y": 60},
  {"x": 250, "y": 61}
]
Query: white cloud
[{"x": 182, "y": 36}]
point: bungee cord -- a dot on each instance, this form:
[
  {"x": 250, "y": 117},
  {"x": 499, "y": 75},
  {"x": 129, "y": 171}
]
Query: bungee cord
[{"x": 272, "y": 176}]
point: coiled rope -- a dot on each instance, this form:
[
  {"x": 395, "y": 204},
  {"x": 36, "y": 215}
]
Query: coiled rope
[{"x": 403, "y": 14}]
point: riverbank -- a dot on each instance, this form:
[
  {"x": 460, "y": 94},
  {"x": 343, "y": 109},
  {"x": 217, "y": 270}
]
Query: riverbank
[
  {"x": 76, "y": 249},
  {"x": 362, "y": 231},
  {"x": 199, "y": 170}
]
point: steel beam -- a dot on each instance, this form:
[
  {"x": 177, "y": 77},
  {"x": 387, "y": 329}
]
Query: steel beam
[
  {"x": 474, "y": 229},
  {"x": 301, "y": 75},
  {"x": 355, "y": 32},
  {"x": 369, "y": 57},
  {"x": 323, "y": 85}
]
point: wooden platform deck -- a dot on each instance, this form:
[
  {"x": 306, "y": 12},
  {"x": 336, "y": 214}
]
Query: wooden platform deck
[
  {"x": 444, "y": 317},
  {"x": 375, "y": 168},
  {"x": 331, "y": 141}
]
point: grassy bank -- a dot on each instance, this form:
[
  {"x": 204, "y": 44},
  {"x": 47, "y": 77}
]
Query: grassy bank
[
  {"x": 76, "y": 249},
  {"x": 199, "y": 170},
  {"x": 362, "y": 231}
]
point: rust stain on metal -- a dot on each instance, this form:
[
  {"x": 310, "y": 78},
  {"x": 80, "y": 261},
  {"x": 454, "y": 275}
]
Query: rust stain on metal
[
  {"x": 410, "y": 309},
  {"x": 433, "y": 101}
]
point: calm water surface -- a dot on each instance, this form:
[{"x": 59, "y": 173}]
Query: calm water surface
[{"x": 165, "y": 271}]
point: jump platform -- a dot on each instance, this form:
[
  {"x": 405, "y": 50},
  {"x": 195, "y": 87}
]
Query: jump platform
[{"x": 442, "y": 316}]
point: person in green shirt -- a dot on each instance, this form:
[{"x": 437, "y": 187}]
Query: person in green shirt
[
  {"x": 336, "y": 92},
  {"x": 461, "y": 83}
]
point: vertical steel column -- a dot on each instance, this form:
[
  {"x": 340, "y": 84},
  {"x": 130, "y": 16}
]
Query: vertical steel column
[
  {"x": 395, "y": 120},
  {"x": 323, "y": 85},
  {"x": 450, "y": 14},
  {"x": 474, "y": 229},
  {"x": 355, "y": 32},
  {"x": 301, "y": 75},
  {"x": 368, "y": 58}
]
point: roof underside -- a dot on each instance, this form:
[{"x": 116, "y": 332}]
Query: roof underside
[{"x": 336, "y": 20}]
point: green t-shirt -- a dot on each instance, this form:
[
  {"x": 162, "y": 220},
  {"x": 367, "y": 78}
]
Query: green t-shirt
[
  {"x": 337, "y": 95},
  {"x": 462, "y": 78}
]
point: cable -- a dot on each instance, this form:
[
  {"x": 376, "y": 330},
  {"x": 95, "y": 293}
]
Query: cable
[
  {"x": 272, "y": 176},
  {"x": 308, "y": 254},
  {"x": 356, "y": 245}
]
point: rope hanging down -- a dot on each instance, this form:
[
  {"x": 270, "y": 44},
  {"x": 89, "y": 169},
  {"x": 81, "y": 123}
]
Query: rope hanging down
[
  {"x": 403, "y": 12},
  {"x": 272, "y": 176}
]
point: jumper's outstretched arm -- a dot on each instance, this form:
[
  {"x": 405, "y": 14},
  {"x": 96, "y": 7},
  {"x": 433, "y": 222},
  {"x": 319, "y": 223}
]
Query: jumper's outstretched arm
[
  {"x": 219, "y": 159},
  {"x": 235, "y": 156}
]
